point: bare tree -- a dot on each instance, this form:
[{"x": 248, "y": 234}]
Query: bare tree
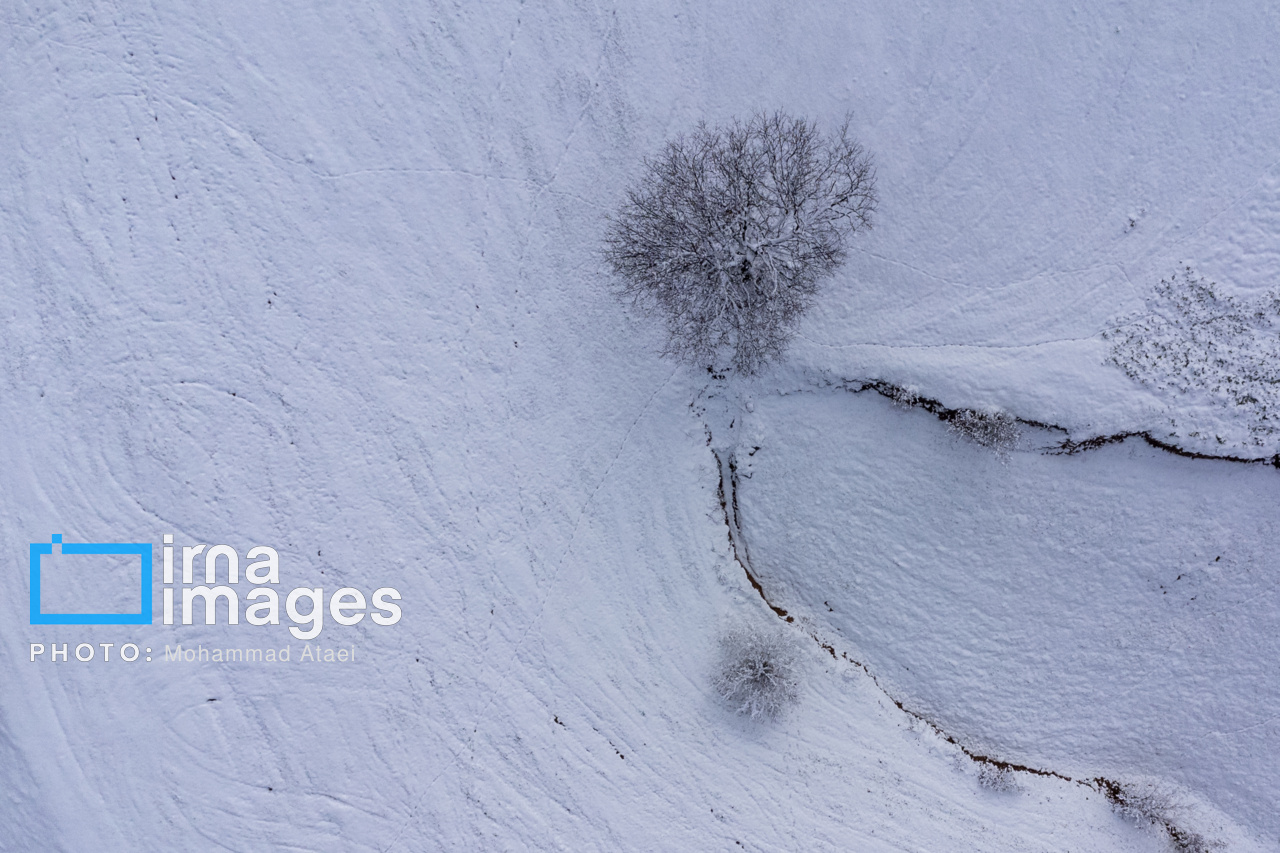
[{"x": 729, "y": 232}]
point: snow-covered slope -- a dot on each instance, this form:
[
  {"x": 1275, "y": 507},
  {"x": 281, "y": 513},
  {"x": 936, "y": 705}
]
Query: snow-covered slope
[
  {"x": 325, "y": 277},
  {"x": 1110, "y": 613}
]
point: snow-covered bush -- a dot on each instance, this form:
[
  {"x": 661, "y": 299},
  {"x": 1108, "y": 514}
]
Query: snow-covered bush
[
  {"x": 996, "y": 778},
  {"x": 1158, "y": 805},
  {"x": 904, "y": 396},
  {"x": 1192, "y": 339},
  {"x": 758, "y": 672},
  {"x": 729, "y": 231},
  {"x": 996, "y": 430}
]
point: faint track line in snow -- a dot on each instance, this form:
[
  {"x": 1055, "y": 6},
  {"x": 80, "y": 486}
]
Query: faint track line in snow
[
  {"x": 947, "y": 346},
  {"x": 1228, "y": 206},
  {"x": 582, "y": 512},
  {"x": 1231, "y": 732},
  {"x": 506, "y": 57},
  {"x": 413, "y": 812},
  {"x": 239, "y": 133},
  {"x": 573, "y": 132},
  {"x": 488, "y": 136},
  {"x": 542, "y": 604},
  {"x": 1043, "y": 273},
  {"x": 977, "y": 121},
  {"x": 911, "y": 267},
  {"x": 1124, "y": 78}
]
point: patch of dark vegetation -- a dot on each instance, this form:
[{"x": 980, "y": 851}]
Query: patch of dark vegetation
[
  {"x": 1159, "y": 806},
  {"x": 1194, "y": 340}
]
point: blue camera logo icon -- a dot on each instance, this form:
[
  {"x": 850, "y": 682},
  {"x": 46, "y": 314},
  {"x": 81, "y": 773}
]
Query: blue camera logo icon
[{"x": 140, "y": 549}]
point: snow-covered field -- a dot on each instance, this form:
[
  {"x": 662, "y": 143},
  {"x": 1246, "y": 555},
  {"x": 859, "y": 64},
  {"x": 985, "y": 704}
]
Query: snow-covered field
[{"x": 326, "y": 277}]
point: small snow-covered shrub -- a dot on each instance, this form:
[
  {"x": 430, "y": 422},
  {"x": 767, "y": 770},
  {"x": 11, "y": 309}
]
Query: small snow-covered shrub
[
  {"x": 1158, "y": 805},
  {"x": 729, "y": 231},
  {"x": 904, "y": 396},
  {"x": 996, "y": 778},
  {"x": 1192, "y": 339},
  {"x": 758, "y": 671},
  {"x": 996, "y": 430}
]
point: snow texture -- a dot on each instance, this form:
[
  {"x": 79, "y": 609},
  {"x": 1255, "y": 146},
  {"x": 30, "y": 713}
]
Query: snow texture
[{"x": 327, "y": 277}]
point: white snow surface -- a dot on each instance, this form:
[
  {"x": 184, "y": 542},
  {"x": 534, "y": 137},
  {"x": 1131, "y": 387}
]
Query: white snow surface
[{"x": 326, "y": 277}]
